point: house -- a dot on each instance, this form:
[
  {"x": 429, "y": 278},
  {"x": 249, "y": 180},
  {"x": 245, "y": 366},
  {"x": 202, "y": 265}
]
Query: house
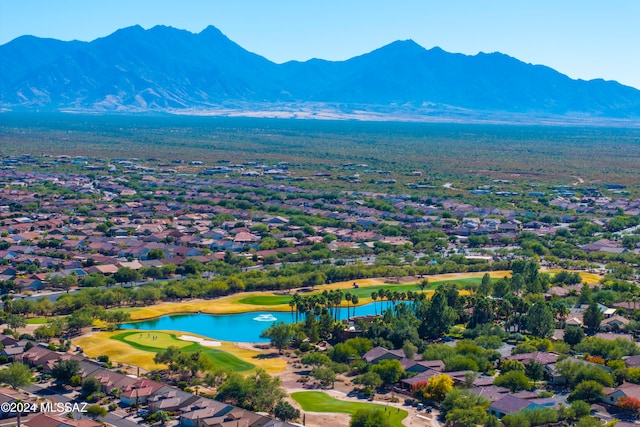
[
  {"x": 379, "y": 353},
  {"x": 492, "y": 393},
  {"x": 574, "y": 321},
  {"x": 458, "y": 377},
  {"x": 29, "y": 284},
  {"x": 623, "y": 390},
  {"x": 110, "y": 380},
  {"x": 12, "y": 352},
  {"x": 5, "y": 399},
  {"x": 510, "y": 405},
  {"x": 106, "y": 269},
  {"x": 170, "y": 399},
  {"x": 632, "y": 361},
  {"x": 610, "y": 336},
  {"x": 50, "y": 364},
  {"x": 47, "y": 420},
  {"x": 551, "y": 371},
  {"x": 140, "y": 391},
  {"x": 203, "y": 409},
  {"x": 614, "y": 323},
  {"x": 544, "y": 358},
  {"x": 7, "y": 340},
  {"x": 245, "y": 237},
  {"x": 8, "y": 395},
  {"x": 422, "y": 377},
  {"x": 134, "y": 265},
  {"x": 39, "y": 356},
  {"x": 421, "y": 365}
]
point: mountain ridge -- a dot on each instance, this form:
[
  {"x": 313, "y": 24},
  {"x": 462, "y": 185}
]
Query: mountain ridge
[{"x": 164, "y": 69}]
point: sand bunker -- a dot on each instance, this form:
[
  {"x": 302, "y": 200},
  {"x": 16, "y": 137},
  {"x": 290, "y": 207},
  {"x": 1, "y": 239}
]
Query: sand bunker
[{"x": 201, "y": 341}]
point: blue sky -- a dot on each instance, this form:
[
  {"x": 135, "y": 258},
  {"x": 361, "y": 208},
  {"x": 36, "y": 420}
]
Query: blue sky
[{"x": 584, "y": 39}]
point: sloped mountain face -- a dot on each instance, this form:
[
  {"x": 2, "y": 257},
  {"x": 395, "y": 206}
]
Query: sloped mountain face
[{"x": 165, "y": 69}]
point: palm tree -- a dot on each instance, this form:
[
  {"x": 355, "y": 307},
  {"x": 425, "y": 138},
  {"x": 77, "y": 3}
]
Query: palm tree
[
  {"x": 354, "y": 301},
  {"x": 337, "y": 301},
  {"x": 374, "y": 297},
  {"x": 303, "y": 307},
  {"x": 395, "y": 297},
  {"x": 410, "y": 296},
  {"x": 292, "y": 304},
  {"x": 348, "y": 297}
]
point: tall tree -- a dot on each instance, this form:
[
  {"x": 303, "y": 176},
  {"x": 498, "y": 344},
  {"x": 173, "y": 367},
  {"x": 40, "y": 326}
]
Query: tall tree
[
  {"x": 16, "y": 375},
  {"x": 280, "y": 334},
  {"x": 16, "y": 321},
  {"x": 517, "y": 283},
  {"x": 96, "y": 411},
  {"x": 438, "y": 317},
  {"x": 369, "y": 418},
  {"x": 285, "y": 412},
  {"x": 390, "y": 371},
  {"x": 325, "y": 375},
  {"x": 65, "y": 369},
  {"x": 573, "y": 335},
  {"x": 540, "y": 320},
  {"x": 592, "y": 317},
  {"x": 256, "y": 392},
  {"x": 485, "y": 285},
  {"x": 354, "y": 300}
]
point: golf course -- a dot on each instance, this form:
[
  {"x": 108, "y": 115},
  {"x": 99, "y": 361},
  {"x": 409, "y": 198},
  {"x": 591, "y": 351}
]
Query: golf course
[
  {"x": 257, "y": 301},
  {"x": 138, "y": 347}
]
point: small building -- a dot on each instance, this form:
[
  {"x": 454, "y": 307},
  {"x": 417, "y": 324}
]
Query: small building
[
  {"x": 510, "y": 405},
  {"x": 623, "y": 390},
  {"x": 379, "y": 353},
  {"x": 140, "y": 391},
  {"x": 614, "y": 323}
]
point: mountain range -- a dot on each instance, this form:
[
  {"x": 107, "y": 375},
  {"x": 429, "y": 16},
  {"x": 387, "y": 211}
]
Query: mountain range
[{"x": 164, "y": 69}]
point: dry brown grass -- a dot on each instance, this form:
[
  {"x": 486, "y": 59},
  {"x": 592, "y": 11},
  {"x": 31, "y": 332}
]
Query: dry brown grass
[
  {"x": 224, "y": 305},
  {"x": 588, "y": 278}
]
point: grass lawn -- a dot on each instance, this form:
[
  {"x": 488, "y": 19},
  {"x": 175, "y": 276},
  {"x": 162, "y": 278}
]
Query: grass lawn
[
  {"x": 265, "y": 300},
  {"x": 317, "y": 401},
  {"x": 144, "y": 341},
  {"x": 38, "y": 320},
  {"x": 152, "y": 341}
]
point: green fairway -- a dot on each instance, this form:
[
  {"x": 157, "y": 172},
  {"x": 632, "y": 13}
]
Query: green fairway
[
  {"x": 366, "y": 292},
  {"x": 265, "y": 300},
  {"x": 317, "y": 401},
  {"x": 145, "y": 341},
  {"x": 363, "y": 292},
  {"x": 38, "y": 320},
  {"x": 155, "y": 340}
]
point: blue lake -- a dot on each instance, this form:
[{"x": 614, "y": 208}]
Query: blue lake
[{"x": 243, "y": 327}]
